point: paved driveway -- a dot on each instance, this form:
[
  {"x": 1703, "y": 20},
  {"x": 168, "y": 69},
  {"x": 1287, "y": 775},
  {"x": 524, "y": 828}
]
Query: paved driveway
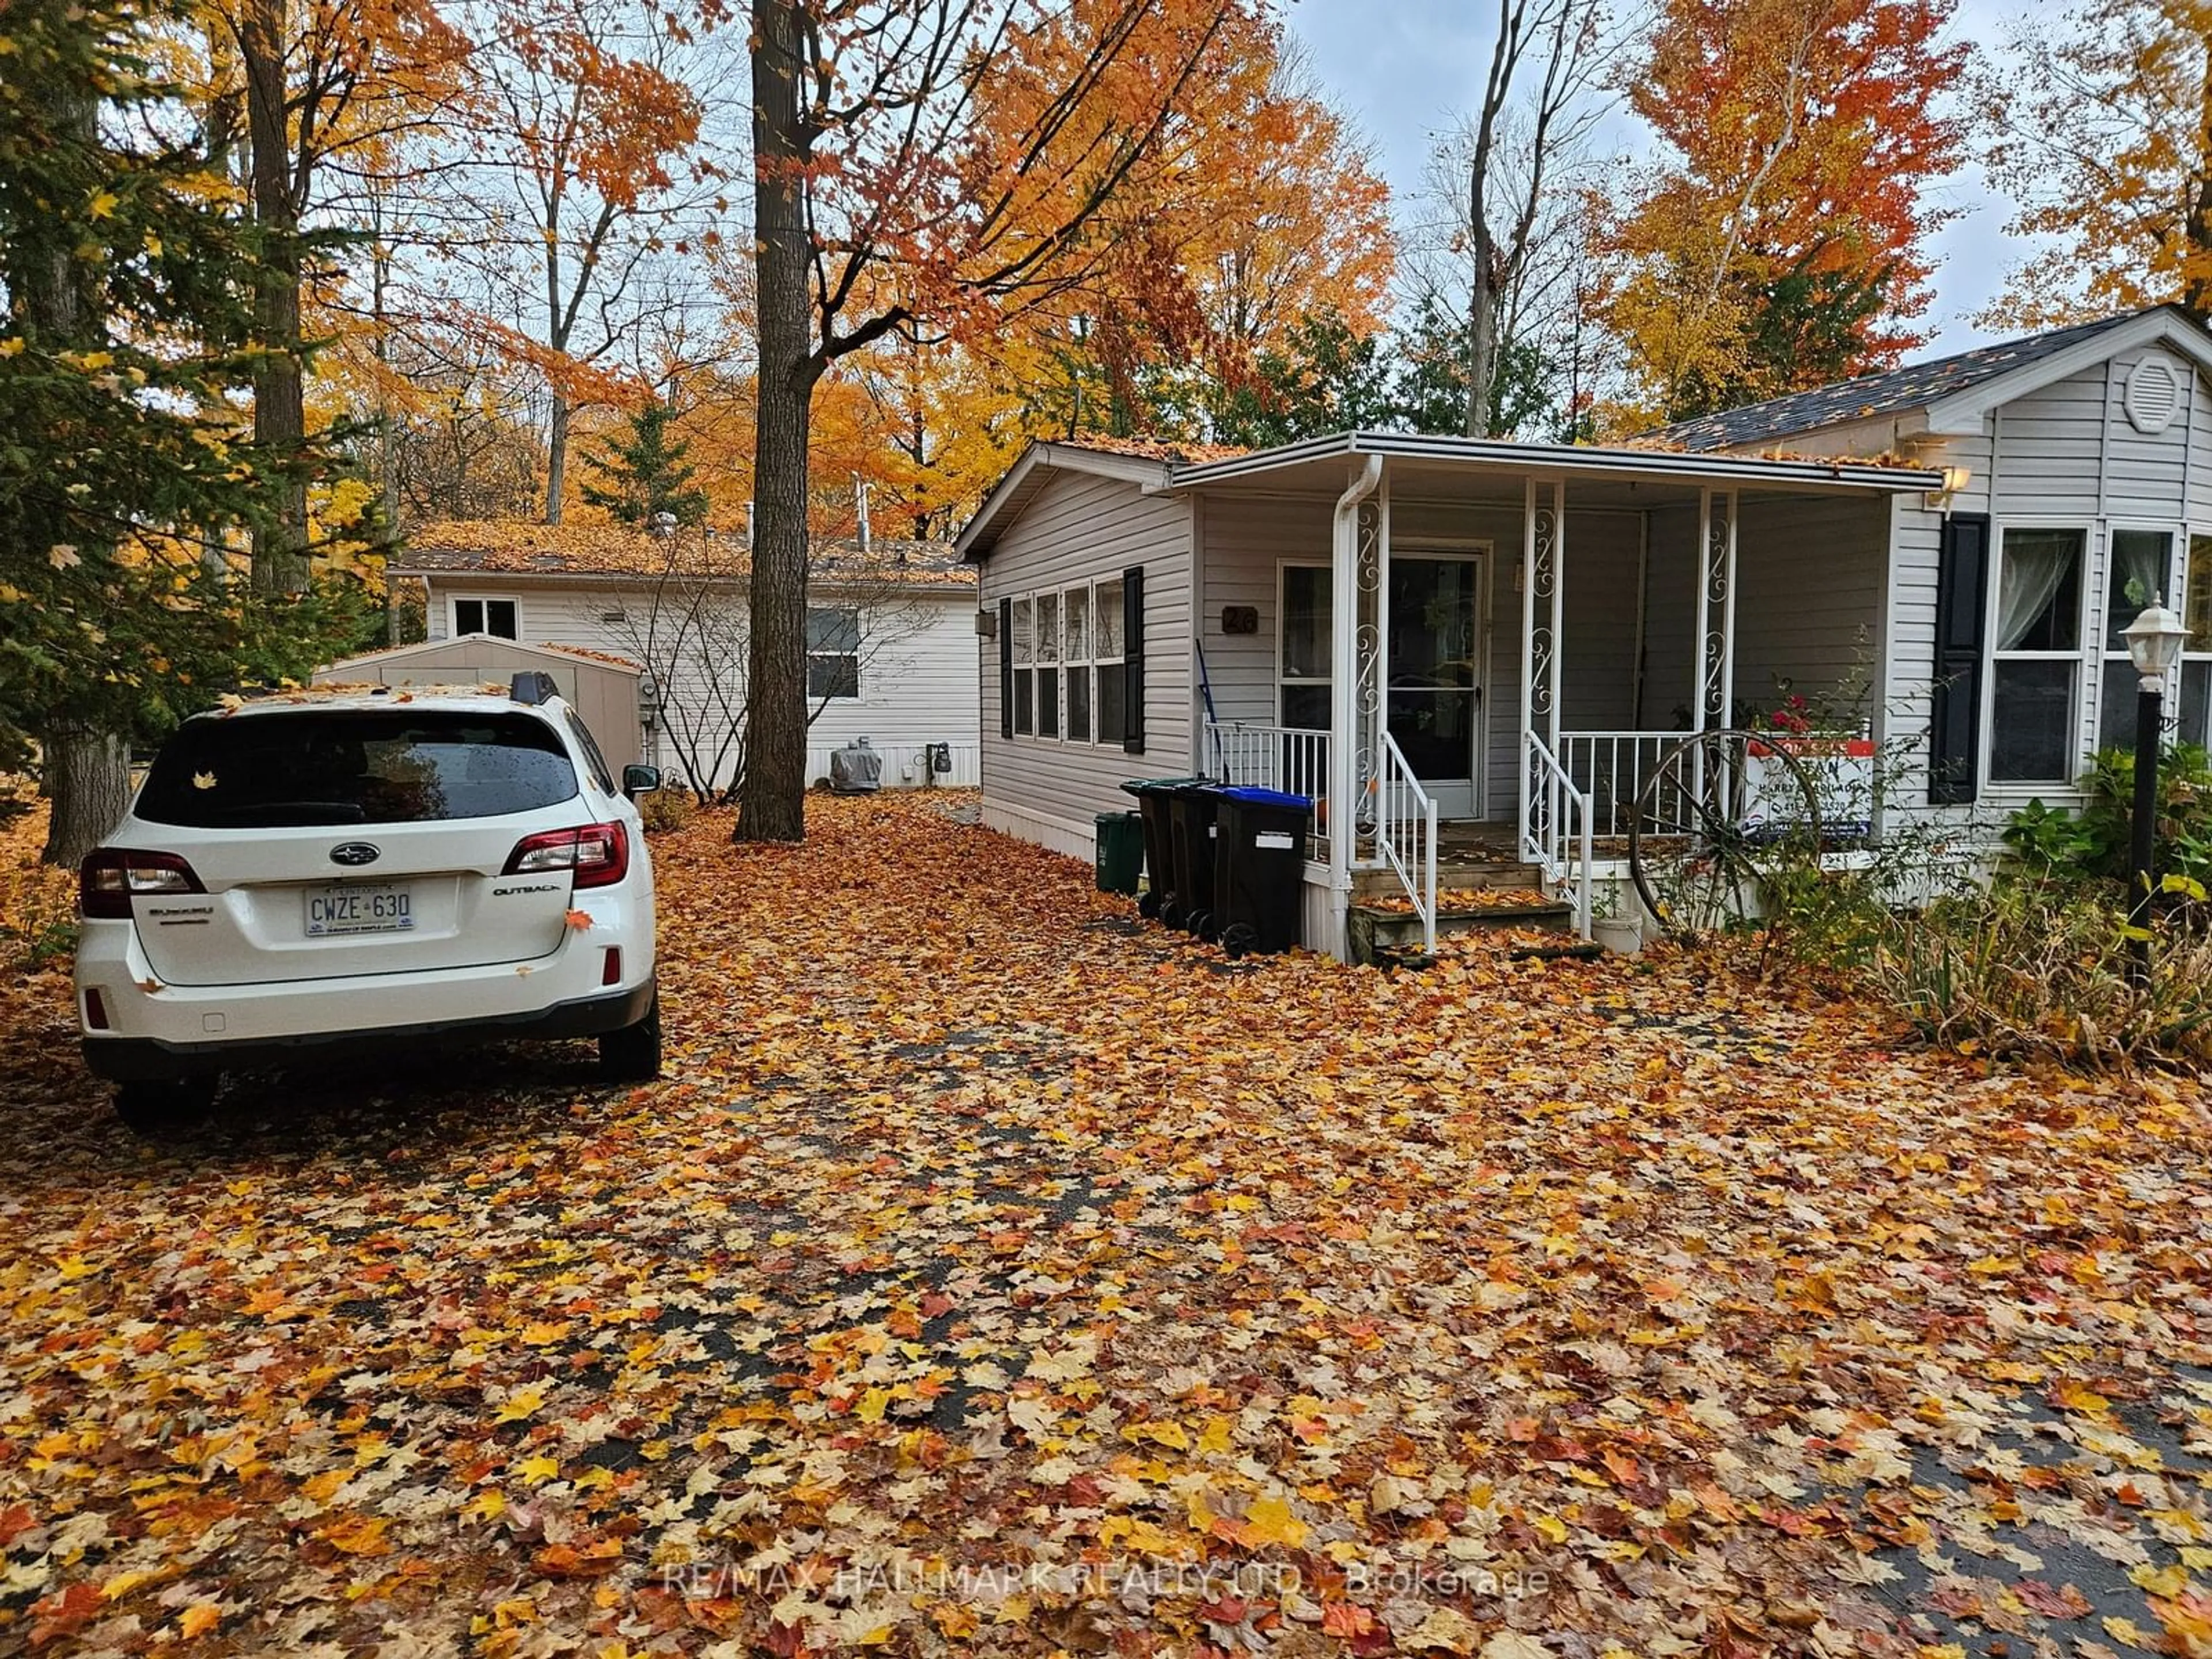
[{"x": 992, "y": 1274}]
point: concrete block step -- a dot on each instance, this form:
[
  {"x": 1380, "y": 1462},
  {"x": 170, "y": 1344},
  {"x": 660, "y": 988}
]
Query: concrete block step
[{"x": 1379, "y": 929}]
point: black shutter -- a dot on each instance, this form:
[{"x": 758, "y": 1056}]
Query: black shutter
[
  {"x": 1132, "y": 663},
  {"x": 1006, "y": 668},
  {"x": 1962, "y": 585}
]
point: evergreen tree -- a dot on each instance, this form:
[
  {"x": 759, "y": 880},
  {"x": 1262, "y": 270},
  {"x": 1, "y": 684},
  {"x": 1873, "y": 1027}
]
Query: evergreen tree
[
  {"x": 646, "y": 476},
  {"x": 1324, "y": 377},
  {"x": 127, "y": 274}
]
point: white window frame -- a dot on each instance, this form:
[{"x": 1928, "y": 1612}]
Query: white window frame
[
  {"x": 1282, "y": 632},
  {"x": 1091, "y": 665},
  {"x": 1100, "y": 664},
  {"x": 2180, "y": 603},
  {"x": 1048, "y": 666},
  {"x": 2088, "y": 648},
  {"x": 1072, "y": 668},
  {"x": 1023, "y": 611},
  {"x": 454, "y": 603},
  {"x": 856, "y": 654},
  {"x": 2177, "y": 574}
]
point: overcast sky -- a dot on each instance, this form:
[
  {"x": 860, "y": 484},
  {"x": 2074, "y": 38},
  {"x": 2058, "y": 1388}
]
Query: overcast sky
[{"x": 1404, "y": 69}]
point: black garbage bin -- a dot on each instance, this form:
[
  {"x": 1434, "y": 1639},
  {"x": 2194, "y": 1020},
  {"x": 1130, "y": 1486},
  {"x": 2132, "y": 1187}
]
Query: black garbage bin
[
  {"x": 1193, "y": 812},
  {"x": 1262, "y": 876},
  {"x": 1151, "y": 796}
]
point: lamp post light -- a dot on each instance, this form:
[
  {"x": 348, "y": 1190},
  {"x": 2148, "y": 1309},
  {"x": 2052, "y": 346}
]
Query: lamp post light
[{"x": 2154, "y": 641}]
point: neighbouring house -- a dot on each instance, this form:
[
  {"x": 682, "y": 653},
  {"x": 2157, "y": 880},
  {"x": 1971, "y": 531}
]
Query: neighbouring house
[
  {"x": 891, "y": 636},
  {"x": 1529, "y": 628}
]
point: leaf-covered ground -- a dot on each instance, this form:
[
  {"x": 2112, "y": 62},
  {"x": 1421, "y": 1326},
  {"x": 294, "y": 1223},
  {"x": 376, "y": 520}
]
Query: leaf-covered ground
[{"x": 995, "y": 1274}]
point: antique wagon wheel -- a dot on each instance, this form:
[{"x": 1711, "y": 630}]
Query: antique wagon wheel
[{"x": 1725, "y": 819}]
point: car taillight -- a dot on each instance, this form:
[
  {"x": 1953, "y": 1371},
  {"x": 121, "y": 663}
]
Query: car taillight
[
  {"x": 597, "y": 853},
  {"x": 111, "y": 877}
]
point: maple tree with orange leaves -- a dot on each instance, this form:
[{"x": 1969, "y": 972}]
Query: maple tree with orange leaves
[
  {"x": 1781, "y": 240},
  {"x": 2101, "y": 131}
]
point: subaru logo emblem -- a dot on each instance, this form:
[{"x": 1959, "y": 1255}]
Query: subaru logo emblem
[{"x": 355, "y": 852}]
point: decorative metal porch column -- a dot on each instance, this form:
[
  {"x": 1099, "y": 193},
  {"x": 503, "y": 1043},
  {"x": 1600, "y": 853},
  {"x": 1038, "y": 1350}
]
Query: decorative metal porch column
[
  {"x": 1350, "y": 531},
  {"x": 1716, "y": 688},
  {"x": 1543, "y": 611},
  {"x": 1372, "y": 624}
]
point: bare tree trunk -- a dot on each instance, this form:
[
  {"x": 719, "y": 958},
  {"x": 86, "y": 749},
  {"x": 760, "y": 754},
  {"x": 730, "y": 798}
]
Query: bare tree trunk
[
  {"x": 772, "y": 797},
  {"x": 2196, "y": 291},
  {"x": 556, "y": 457},
  {"x": 88, "y": 773},
  {"x": 280, "y": 421}
]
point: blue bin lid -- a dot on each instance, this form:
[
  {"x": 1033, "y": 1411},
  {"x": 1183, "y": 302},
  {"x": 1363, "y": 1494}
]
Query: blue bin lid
[{"x": 1246, "y": 797}]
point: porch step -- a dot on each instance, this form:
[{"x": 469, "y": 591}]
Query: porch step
[
  {"x": 1481, "y": 873},
  {"x": 1382, "y": 932}
]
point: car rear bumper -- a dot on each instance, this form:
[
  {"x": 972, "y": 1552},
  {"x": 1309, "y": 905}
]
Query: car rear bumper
[{"x": 135, "y": 1060}]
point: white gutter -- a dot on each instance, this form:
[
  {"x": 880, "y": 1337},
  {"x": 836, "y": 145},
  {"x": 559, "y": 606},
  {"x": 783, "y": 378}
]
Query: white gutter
[
  {"x": 1568, "y": 459},
  {"x": 1344, "y": 690}
]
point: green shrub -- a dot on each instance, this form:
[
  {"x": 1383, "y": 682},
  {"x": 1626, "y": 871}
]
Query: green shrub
[
  {"x": 2094, "y": 844},
  {"x": 666, "y": 810}
]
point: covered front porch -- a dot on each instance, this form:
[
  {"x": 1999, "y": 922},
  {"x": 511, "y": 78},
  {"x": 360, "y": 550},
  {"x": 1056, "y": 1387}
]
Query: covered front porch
[{"x": 1527, "y": 633}]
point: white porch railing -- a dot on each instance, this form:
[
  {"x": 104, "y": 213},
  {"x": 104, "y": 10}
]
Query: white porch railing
[
  {"x": 1609, "y": 768},
  {"x": 1293, "y": 759},
  {"x": 1612, "y": 767},
  {"x": 1557, "y": 825},
  {"x": 1406, "y": 834}
]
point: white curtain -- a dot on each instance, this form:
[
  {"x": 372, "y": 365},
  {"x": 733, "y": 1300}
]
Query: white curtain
[
  {"x": 2140, "y": 577},
  {"x": 2032, "y": 568}
]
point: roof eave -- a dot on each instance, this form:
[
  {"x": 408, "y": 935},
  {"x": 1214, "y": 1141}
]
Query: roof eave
[
  {"x": 1567, "y": 460},
  {"x": 1014, "y": 492},
  {"x": 1966, "y": 414}
]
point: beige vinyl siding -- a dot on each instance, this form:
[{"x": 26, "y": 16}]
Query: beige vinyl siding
[
  {"x": 1081, "y": 527},
  {"x": 917, "y": 681},
  {"x": 1808, "y": 596},
  {"x": 1246, "y": 541},
  {"x": 1908, "y": 707}
]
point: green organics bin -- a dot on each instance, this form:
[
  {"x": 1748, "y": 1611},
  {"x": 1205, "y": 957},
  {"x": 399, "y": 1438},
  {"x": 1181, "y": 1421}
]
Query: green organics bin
[{"x": 1121, "y": 851}]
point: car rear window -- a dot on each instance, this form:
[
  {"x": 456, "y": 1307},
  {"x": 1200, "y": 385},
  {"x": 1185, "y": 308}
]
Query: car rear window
[{"x": 349, "y": 766}]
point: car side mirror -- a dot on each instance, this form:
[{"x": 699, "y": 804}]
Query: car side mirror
[{"x": 640, "y": 781}]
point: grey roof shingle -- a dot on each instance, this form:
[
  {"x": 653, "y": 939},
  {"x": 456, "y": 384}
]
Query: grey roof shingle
[{"x": 1913, "y": 386}]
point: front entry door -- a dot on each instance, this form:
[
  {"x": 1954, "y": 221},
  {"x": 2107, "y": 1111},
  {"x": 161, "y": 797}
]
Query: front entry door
[{"x": 1434, "y": 659}]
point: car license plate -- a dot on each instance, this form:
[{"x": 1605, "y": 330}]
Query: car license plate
[{"x": 357, "y": 908}]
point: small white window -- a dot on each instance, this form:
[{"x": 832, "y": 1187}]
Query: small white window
[
  {"x": 1109, "y": 666},
  {"x": 1075, "y": 628},
  {"x": 2138, "y": 572},
  {"x": 496, "y": 618},
  {"x": 1048, "y": 656},
  {"x": 2036, "y": 668},
  {"x": 833, "y": 652},
  {"x": 1024, "y": 669}
]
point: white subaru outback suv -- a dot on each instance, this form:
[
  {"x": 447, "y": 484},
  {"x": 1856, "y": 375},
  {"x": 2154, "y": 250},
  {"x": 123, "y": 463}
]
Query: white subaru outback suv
[{"x": 334, "y": 877}]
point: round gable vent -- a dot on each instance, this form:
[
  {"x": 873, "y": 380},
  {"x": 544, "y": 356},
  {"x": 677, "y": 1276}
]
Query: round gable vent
[{"x": 2154, "y": 393}]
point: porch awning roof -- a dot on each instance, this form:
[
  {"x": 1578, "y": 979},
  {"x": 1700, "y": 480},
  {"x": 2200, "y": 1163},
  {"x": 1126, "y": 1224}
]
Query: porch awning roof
[
  {"x": 1316, "y": 465},
  {"x": 1568, "y": 461}
]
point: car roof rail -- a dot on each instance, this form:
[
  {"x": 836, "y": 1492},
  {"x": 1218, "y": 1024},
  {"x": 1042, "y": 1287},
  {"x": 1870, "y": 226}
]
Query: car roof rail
[{"x": 533, "y": 685}]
